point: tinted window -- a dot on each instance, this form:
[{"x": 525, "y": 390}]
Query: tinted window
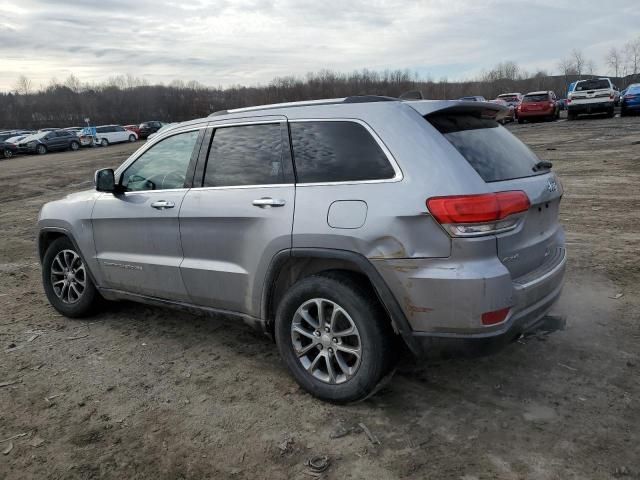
[
  {"x": 542, "y": 97},
  {"x": 489, "y": 148},
  {"x": 163, "y": 166},
  {"x": 592, "y": 85},
  {"x": 248, "y": 155},
  {"x": 337, "y": 152}
]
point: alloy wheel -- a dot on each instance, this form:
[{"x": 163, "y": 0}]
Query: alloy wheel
[
  {"x": 326, "y": 341},
  {"x": 68, "y": 276}
]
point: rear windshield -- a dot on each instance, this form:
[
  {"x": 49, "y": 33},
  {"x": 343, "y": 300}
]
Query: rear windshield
[
  {"x": 543, "y": 97},
  {"x": 489, "y": 148},
  {"x": 592, "y": 85},
  {"x": 508, "y": 98}
]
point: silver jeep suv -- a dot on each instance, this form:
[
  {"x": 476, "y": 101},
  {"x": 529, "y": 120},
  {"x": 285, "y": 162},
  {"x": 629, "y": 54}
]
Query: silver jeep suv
[{"x": 346, "y": 229}]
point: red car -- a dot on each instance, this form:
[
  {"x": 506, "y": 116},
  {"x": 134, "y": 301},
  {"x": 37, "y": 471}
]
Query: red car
[
  {"x": 539, "y": 106},
  {"x": 133, "y": 128}
]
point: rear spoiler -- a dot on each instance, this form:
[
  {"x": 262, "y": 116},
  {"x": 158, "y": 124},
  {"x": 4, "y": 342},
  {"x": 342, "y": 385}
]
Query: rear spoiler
[{"x": 458, "y": 107}]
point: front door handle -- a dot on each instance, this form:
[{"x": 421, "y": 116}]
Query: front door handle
[
  {"x": 162, "y": 205},
  {"x": 268, "y": 202}
]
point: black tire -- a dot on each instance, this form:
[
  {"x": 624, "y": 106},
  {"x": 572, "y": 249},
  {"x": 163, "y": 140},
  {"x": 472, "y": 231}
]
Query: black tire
[
  {"x": 376, "y": 338},
  {"x": 74, "y": 146},
  {"x": 571, "y": 116},
  {"x": 7, "y": 153},
  {"x": 104, "y": 142},
  {"x": 520, "y": 121},
  {"x": 41, "y": 149},
  {"x": 87, "y": 302},
  {"x": 611, "y": 113},
  {"x": 132, "y": 138},
  {"x": 623, "y": 112}
]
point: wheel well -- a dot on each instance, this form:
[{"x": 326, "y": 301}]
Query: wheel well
[
  {"x": 45, "y": 239},
  {"x": 295, "y": 269}
]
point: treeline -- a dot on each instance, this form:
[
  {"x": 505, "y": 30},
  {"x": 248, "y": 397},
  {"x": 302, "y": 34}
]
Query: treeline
[{"x": 126, "y": 100}]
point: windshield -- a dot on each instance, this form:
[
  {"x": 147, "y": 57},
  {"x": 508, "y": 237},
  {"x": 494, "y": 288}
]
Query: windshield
[
  {"x": 592, "y": 85},
  {"x": 489, "y": 148}
]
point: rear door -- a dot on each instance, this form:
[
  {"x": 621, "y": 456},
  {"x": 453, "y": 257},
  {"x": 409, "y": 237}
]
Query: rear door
[
  {"x": 239, "y": 216},
  {"x": 505, "y": 163}
]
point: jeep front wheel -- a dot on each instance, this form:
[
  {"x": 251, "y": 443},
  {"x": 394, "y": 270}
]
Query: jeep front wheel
[
  {"x": 334, "y": 338},
  {"x": 66, "y": 280}
]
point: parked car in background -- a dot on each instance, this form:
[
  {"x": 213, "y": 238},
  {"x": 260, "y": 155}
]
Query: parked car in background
[
  {"x": 539, "y": 106},
  {"x": 75, "y": 130},
  {"x": 50, "y": 129},
  {"x": 107, "y": 134},
  {"x": 7, "y": 149},
  {"x": 514, "y": 99},
  {"x": 630, "y": 101},
  {"x": 10, "y": 147},
  {"x": 477, "y": 253},
  {"x": 133, "y": 128},
  {"x": 43, "y": 142},
  {"x": 473, "y": 98},
  {"x": 596, "y": 95},
  {"x": 164, "y": 127},
  {"x": 147, "y": 128},
  {"x": 509, "y": 115}
]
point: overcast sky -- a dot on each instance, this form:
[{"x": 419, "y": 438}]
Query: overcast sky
[{"x": 248, "y": 42}]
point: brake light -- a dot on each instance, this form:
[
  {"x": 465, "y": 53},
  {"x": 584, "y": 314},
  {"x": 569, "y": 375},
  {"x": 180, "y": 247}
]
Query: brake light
[
  {"x": 568, "y": 100},
  {"x": 497, "y": 316},
  {"x": 473, "y": 215},
  {"x": 611, "y": 96}
]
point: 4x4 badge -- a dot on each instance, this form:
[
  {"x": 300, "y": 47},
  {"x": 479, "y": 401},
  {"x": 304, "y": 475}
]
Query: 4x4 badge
[{"x": 552, "y": 186}]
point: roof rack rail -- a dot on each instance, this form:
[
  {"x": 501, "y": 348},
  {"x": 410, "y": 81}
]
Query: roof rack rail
[
  {"x": 327, "y": 101},
  {"x": 368, "y": 99}
]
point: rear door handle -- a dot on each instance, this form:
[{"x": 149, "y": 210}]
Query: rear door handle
[
  {"x": 162, "y": 205},
  {"x": 268, "y": 202}
]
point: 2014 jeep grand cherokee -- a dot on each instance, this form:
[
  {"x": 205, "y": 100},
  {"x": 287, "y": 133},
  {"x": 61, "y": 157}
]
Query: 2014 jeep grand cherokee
[{"x": 343, "y": 228}]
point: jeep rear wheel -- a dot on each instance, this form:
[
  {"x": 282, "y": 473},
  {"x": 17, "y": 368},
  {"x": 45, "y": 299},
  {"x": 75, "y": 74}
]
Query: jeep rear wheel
[
  {"x": 66, "y": 281},
  {"x": 334, "y": 337}
]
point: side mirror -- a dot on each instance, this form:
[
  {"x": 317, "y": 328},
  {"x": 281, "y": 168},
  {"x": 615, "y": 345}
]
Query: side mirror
[{"x": 105, "y": 180}]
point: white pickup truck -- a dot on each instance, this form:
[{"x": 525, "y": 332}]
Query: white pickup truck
[{"x": 596, "y": 95}]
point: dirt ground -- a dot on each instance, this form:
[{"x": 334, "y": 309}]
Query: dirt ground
[{"x": 141, "y": 392}]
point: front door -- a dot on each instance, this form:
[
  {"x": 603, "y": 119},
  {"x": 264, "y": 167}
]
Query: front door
[
  {"x": 136, "y": 233},
  {"x": 239, "y": 217}
]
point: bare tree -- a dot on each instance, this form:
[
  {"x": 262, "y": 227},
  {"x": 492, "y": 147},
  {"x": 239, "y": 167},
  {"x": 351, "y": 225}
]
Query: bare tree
[
  {"x": 73, "y": 83},
  {"x": 632, "y": 51},
  {"x": 614, "y": 61},
  {"x": 23, "y": 86},
  {"x": 567, "y": 67},
  {"x": 579, "y": 62}
]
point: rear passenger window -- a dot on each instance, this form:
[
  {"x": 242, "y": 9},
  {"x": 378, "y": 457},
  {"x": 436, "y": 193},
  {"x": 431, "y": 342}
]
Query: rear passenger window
[
  {"x": 337, "y": 151},
  {"x": 248, "y": 155}
]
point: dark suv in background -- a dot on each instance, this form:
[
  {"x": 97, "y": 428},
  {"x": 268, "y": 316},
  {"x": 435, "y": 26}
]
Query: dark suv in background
[
  {"x": 43, "y": 142},
  {"x": 147, "y": 128}
]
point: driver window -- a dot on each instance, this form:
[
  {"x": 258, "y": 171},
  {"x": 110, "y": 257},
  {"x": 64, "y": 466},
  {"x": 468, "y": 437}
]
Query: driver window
[{"x": 163, "y": 166}]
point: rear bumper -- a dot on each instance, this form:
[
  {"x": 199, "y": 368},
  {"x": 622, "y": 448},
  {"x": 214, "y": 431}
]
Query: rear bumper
[
  {"x": 593, "y": 107},
  {"x": 631, "y": 106},
  {"x": 536, "y": 113},
  {"x": 444, "y": 301}
]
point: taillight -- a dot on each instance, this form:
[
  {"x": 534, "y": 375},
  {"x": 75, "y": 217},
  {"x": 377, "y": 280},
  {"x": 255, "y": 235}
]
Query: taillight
[
  {"x": 484, "y": 214},
  {"x": 568, "y": 100},
  {"x": 497, "y": 316}
]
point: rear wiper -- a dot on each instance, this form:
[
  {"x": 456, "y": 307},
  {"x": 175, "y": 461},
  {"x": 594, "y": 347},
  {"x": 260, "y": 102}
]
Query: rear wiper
[{"x": 542, "y": 164}]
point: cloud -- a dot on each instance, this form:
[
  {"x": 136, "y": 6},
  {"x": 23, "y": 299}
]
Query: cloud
[{"x": 225, "y": 42}]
